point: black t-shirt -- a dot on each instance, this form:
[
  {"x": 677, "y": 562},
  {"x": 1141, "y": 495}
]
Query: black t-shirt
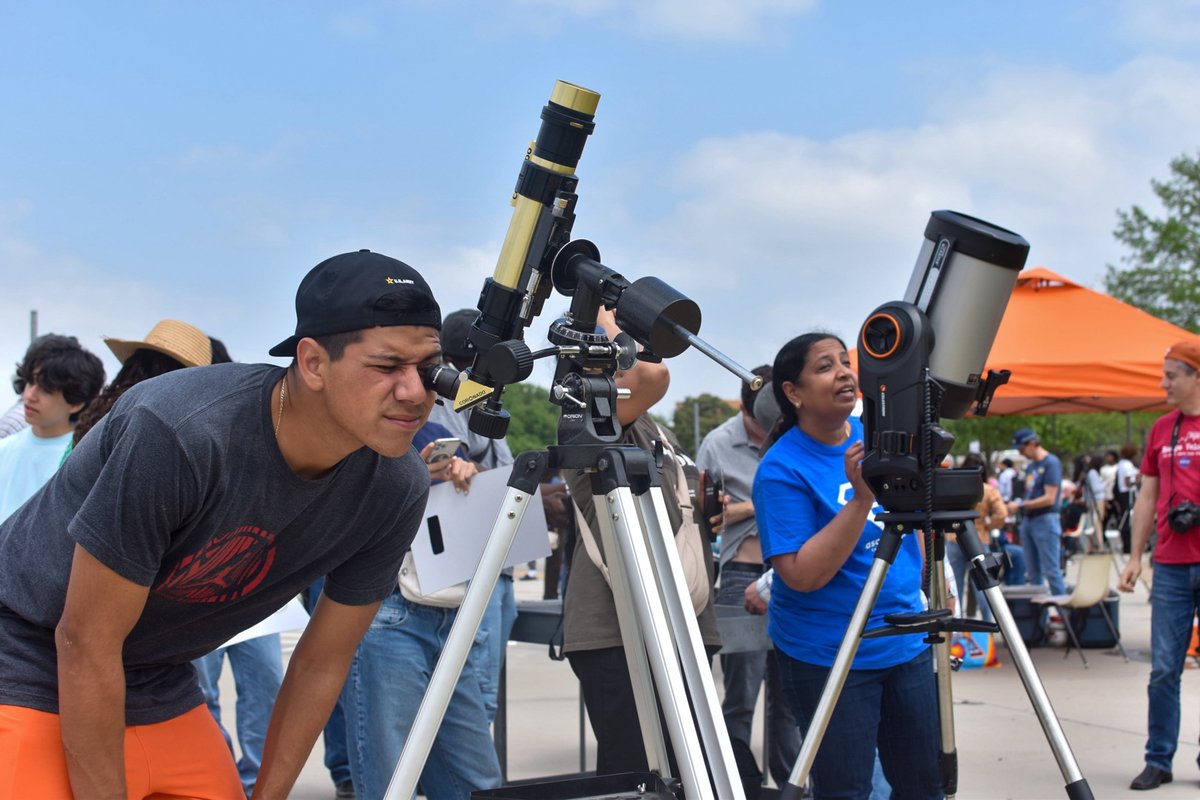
[{"x": 183, "y": 489}]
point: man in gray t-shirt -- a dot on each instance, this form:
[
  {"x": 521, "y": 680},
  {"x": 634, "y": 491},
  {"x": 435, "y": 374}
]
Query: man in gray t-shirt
[
  {"x": 730, "y": 452},
  {"x": 203, "y": 502}
]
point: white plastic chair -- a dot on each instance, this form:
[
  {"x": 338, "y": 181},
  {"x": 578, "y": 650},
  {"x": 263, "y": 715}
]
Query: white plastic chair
[{"x": 1091, "y": 589}]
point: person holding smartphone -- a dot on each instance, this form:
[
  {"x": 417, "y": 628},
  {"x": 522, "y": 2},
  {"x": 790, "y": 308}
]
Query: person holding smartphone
[{"x": 391, "y": 668}]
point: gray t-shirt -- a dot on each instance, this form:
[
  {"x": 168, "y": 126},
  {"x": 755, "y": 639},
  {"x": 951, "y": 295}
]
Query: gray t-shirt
[
  {"x": 182, "y": 488},
  {"x": 728, "y": 454}
]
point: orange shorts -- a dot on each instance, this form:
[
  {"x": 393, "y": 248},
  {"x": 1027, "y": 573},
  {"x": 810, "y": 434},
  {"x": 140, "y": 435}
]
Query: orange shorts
[{"x": 184, "y": 757}]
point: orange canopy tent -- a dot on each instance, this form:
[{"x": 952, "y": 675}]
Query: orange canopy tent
[{"x": 1071, "y": 349}]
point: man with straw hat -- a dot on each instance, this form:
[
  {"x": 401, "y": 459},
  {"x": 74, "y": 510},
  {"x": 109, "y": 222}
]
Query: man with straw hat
[{"x": 203, "y": 502}]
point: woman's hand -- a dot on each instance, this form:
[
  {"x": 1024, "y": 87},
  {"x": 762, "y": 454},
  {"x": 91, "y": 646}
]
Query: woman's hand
[{"x": 853, "y": 462}]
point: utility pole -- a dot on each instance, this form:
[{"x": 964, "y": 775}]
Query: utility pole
[{"x": 32, "y": 325}]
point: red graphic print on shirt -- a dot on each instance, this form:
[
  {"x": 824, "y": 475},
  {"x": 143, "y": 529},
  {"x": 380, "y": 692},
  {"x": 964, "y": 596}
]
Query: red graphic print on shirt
[{"x": 230, "y": 567}]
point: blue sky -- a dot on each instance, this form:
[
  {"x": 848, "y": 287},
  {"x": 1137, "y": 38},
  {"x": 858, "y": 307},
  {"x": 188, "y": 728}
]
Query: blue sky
[{"x": 775, "y": 160}]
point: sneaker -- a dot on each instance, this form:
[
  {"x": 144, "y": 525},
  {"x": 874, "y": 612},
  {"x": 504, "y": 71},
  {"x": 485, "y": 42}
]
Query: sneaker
[
  {"x": 1151, "y": 778},
  {"x": 344, "y": 791},
  {"x": 529, "y": 576}
]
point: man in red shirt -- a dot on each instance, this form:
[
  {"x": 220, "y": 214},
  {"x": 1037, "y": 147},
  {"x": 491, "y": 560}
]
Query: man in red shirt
[{"x": 1169, "y": 503}]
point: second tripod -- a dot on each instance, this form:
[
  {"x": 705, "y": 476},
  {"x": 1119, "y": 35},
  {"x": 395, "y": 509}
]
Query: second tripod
[{"x": 935, "y": 623}]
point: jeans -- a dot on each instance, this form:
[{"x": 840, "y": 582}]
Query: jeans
[
  {"x": 893, "y": 709},
  {"x": 498, "y": 623},
  {"x": 1173, "y": 606},
  {"x": 388, "y": 677},
  {"x": 744, "y": 674},
  {"x": 337, "y": 755},
  {"x": 257, "y": 666},
  {"x": 1042, "y": 538}
]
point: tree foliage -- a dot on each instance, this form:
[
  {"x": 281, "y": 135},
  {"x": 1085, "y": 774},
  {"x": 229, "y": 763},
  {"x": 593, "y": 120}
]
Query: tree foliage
[
  {"x": 534, "y": 423},
  {"x": 1162, "y": 269},
  {"x": 1065, "y": 435},
  {"x": 713, "y": 411}
]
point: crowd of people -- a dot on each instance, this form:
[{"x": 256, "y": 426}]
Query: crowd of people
[{"x": 145, "y": 523}]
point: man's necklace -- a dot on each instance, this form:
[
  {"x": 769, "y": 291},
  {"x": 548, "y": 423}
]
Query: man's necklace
[{"x": 282, "y": 395}]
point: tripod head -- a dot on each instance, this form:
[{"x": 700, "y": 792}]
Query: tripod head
[
  {"x": 911, "y": 377},
  {"x": 538, "y": 256}
]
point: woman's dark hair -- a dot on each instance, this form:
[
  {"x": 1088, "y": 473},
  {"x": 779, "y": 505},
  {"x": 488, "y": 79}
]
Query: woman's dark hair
[
  {"x": 143, "y": 364},
  {"x": 220, "y": 354},
  {"x": 971, "y": 460},
  {"x": 789, "y": 363},
  {"x": 59, "y": 364}
]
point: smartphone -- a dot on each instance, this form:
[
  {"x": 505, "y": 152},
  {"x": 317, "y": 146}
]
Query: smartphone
[{"x": 443, "y": 449}]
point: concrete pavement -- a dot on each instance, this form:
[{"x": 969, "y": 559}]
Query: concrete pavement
[{"x": 1002, "y": 751}]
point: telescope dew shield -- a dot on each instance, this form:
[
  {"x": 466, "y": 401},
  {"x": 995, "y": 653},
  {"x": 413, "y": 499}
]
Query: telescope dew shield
[{"x": 962, "y": 281}]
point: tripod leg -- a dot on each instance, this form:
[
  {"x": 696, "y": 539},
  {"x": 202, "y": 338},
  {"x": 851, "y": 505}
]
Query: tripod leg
[
  {"x": 1077, "y": 786},
  {"x": 620, "y": 524},
  {"x": 936, "y": 593},
  {"x": 706, "y": 706},
  {"x": 462, "y": 634},
  {"x": 622, "y": 568},
  {"x": 889, "y": 543}
]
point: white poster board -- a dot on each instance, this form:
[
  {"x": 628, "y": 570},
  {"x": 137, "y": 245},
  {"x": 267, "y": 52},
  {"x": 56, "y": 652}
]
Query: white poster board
[
  {"x": 456, "y": 528},
  {"x": 291, "y": 617}
]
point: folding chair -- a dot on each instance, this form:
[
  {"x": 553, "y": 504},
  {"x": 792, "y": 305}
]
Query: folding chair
[{"x": 1091, "y": 589}]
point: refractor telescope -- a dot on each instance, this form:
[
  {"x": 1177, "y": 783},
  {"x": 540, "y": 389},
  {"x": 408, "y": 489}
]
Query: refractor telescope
[{"x": 537, "y": 256}]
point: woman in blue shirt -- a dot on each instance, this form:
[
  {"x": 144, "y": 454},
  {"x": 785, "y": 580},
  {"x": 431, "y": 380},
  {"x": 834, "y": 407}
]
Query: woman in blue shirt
[{"x": 816, "y": 521}]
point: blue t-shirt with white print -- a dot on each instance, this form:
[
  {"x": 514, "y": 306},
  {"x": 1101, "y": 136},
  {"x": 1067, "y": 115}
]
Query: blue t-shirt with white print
[{"x": 799, "y": 487}]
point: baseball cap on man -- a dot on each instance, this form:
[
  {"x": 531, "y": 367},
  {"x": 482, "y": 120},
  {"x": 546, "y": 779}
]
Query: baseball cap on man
[
  {"x": 1023, "y": 436},
  {"x": 356, "y": 291},
  {"x": 455, "y": 329},
  {"x": 1187, "y": 351}
]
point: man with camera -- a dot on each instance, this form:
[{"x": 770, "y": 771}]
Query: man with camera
[{"x": 1167, "y": 503}]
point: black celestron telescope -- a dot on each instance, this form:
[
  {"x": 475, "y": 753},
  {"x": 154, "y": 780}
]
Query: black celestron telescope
[
  {"x": 661, "y": 638},
  {"x": 919, "y": 360}
]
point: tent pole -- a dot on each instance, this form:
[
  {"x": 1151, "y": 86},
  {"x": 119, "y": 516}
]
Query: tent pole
[{"x": 1128, "y": 427}]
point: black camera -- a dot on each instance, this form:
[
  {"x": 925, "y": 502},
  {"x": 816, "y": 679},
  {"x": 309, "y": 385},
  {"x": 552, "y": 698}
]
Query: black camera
[{"x": 1183, "y": 517}]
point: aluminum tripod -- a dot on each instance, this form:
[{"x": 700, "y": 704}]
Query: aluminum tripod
[
  {"x": 658, "y": 627},
  {"x": 935, "y": 622}
]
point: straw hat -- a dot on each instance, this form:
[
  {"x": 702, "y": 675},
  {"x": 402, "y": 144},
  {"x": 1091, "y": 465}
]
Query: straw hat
[{"x": 185, "y": 343}]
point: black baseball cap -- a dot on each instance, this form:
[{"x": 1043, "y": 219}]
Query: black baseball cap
[
  {"x": 356, "y": 291},
  {"x": 455, "y": 330}
]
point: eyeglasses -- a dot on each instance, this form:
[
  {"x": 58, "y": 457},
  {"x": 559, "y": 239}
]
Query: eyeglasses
[{"x": 19, "y": 385}]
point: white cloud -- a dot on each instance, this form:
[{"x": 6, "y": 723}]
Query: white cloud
[
  {"x": 776, "y": 233},
  {"x": 1162, "y": 22}
]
